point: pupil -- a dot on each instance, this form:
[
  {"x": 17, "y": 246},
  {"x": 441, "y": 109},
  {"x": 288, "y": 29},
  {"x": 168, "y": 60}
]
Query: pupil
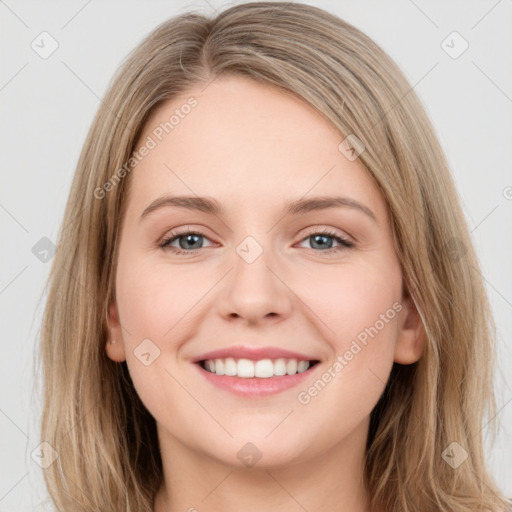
[
  {"x": 189, "y": 239},
  {"x": 324, "y": 240}
]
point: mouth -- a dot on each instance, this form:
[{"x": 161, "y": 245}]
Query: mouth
[
  {"x": 256, "y": 369},
  {"x": 256, "y": 378}
]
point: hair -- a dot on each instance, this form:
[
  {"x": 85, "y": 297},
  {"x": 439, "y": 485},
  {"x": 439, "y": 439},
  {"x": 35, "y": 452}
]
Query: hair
[{"x": 109, "y": 458}]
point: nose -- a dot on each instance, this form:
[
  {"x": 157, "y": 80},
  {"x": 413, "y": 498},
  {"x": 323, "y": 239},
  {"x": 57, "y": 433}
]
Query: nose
[{"x": 255, "y": 293}]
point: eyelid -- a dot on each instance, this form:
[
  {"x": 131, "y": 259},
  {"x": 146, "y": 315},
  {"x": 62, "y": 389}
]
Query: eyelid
[
  {"x": 182, "y": 231},
  {"x": 315, "y": 230},
  {"x": 311, "y": 231}
]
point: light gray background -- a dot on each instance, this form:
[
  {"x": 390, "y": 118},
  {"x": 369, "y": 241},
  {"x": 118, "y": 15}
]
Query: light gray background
[{"x": 47, "y": 105}]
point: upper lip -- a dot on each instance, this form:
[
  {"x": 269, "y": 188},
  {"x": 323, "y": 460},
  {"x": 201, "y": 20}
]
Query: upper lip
[{"x": 253, "y": 353}]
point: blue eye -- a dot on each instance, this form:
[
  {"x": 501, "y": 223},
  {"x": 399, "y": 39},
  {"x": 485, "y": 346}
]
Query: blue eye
[
  {"x": 190, "y": 242},
  {"x": 323, "y": 240}
]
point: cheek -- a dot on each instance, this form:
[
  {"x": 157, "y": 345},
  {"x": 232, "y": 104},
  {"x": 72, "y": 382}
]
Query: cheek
[
  {"x": 360, "y": 305},
  {"x": 155, "y": 300},
  {"x": 347, "y": 299},
  {"x": 157, "y": 307}
]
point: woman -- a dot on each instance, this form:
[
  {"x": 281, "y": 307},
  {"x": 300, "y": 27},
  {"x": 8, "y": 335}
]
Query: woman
[{"x": 250, "y": 369}]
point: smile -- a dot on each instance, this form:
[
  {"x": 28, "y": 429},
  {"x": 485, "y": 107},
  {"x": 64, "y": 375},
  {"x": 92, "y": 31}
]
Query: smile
[
  {"x": 261, "y": 369},
  {"x": 256, "y": 378}
]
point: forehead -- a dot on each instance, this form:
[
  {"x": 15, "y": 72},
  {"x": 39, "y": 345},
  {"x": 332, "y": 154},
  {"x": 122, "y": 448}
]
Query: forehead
[{"x": 245, "y": 143}]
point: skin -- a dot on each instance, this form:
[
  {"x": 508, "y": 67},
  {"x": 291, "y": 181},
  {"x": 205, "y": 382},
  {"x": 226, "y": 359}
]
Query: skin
[{"x": 254, "y": 149}]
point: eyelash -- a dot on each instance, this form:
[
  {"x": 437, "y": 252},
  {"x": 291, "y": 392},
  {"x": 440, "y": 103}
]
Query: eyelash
[{"x": 164, "y": 244}]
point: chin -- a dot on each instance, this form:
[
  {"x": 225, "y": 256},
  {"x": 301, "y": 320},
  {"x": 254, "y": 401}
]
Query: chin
[{"x": 260, "y": 453}]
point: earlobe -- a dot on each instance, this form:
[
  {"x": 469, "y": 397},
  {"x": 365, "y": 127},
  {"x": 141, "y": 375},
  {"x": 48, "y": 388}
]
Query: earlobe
[
  {"x": 411, "y": 338},
  {"x": 114, "y": 346}
]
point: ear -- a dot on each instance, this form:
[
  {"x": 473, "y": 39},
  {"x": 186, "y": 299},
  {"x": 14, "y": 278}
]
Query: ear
[
  {"x": 115, "y": 345},
  {"x": 411, "y": 334}
]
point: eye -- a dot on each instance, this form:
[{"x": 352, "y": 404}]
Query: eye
[
  {"x": 323, "y": 240},
  {"x": 189, "y": 241}
]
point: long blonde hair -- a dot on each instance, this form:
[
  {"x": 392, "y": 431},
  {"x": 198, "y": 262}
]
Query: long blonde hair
[{"x": 108, "y": 450}]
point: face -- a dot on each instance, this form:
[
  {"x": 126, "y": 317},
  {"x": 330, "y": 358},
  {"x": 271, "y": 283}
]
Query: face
[{"x": 288, "y": 257}]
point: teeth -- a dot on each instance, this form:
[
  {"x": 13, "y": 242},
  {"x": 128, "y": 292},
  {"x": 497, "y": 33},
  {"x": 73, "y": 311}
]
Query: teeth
[
  {"x": 230, "y": 368},
  {"x": 263, "y": 369},
  {"x": 291, "y": 367},
  {"x": 245, "y": 368},
  {"x": 302, "y": 366}
]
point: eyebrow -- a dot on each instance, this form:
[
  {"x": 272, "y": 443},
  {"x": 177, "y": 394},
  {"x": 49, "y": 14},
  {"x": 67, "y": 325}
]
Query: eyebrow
[{"x": 210, "y": 206}]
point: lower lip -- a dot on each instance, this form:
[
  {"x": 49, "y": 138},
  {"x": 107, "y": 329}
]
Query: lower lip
[{"x": 255, "y": 386}]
